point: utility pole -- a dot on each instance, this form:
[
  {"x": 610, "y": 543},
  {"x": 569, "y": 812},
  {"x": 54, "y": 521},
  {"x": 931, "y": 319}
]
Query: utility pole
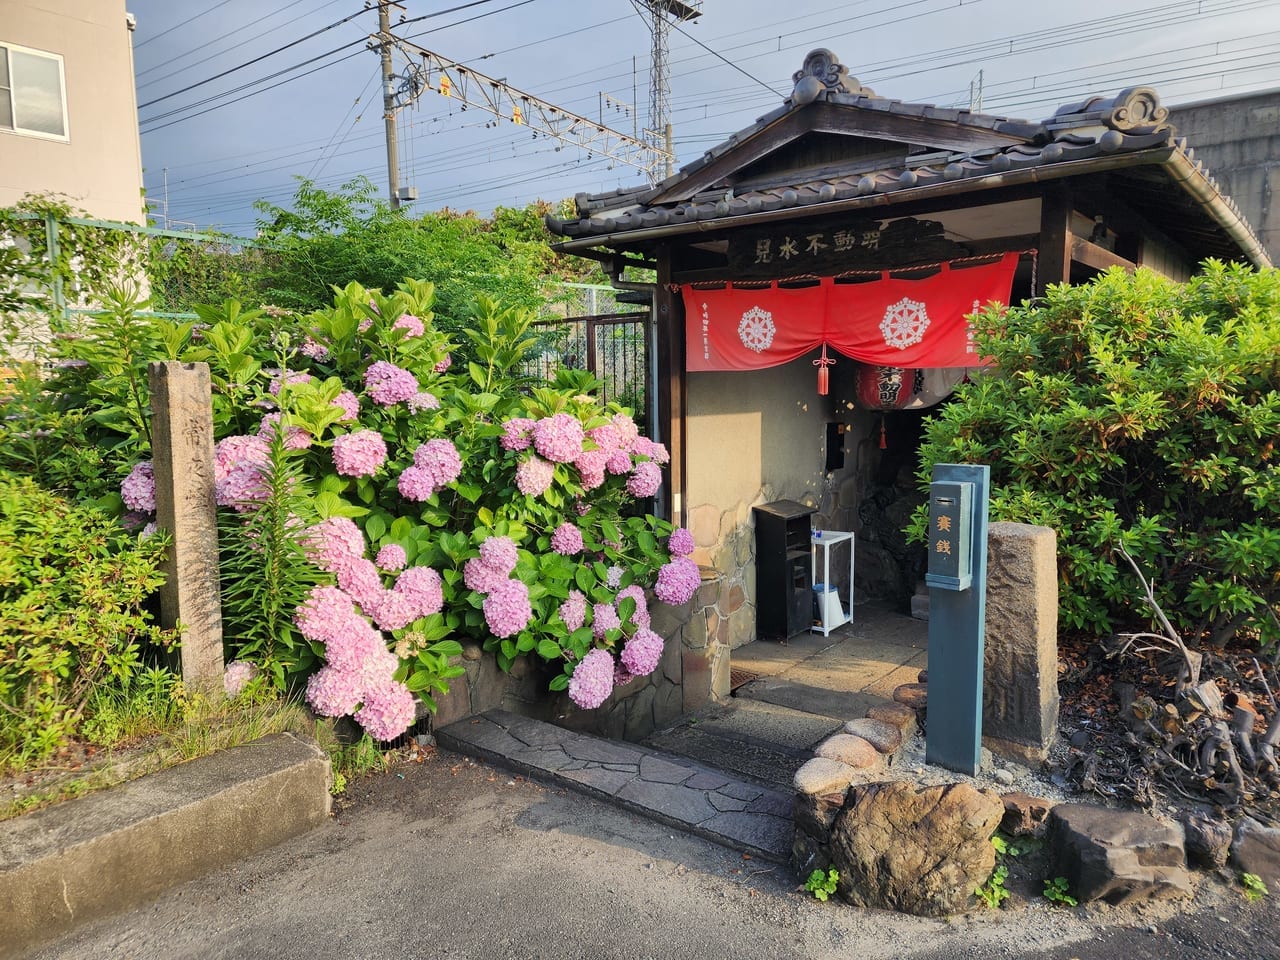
[
  {"x": 389, "y": 99},
  {"x": 660, "y": 68}
]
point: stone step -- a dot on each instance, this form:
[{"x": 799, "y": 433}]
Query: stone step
[
  {"x": 764, "y": 741},
  {"x": 692, "y": 796}
]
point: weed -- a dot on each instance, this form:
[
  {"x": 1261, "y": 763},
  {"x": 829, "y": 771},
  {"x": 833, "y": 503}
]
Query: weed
[
  {"x": 350, "y": 760},
  {"x": 994, "y": 893},
  {"x": 1254, "y": 887},
  {"x": 822, "y": 884},
  {"x": 1058, "y": 890}
]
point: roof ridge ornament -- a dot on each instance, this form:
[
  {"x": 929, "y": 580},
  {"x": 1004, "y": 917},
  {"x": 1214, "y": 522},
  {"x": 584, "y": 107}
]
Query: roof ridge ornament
[
  {"x": 1135, "y": 110},
  {"x": 823, "y": 73}
]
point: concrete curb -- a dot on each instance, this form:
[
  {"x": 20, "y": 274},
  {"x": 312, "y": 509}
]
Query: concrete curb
[{"x": 122, "y": 847}]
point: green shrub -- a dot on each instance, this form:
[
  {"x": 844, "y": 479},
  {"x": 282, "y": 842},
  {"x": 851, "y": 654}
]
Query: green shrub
[
  {"x": 72, "y": 588},
  {"x": 1138, "y": 411}
]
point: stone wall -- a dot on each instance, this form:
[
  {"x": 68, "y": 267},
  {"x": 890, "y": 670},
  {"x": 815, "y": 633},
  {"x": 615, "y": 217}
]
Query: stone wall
[{"x": 694, "y": 669}]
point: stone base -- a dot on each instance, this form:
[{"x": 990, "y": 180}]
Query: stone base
[
  {"x": 1028, "y": 754},
  {"x": 920, "y": 606}
]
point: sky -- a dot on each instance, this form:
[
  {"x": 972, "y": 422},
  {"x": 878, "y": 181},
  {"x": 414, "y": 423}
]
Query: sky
[{"x": 315, "y": 109}]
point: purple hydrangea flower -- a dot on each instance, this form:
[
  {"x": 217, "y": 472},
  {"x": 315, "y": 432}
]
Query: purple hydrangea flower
[
  {"x": 480, "y": 577},
  {"x": 506, "y": 609},
  {"x": 333, "y": 692},
  {"x": 423, "y": 588},
  {"x": 237, "y": 675},
  {"x": 574, "y": 610},
  {"x": 636, "y": 592},
  {"x": 567, "y": 539},
  {"x": 333, "y": 541},
  {"x": 644, "y": 480},
  {"x": 392, "y": 610},
  {"x": 289, "y": 377},
  {"x": 324, "y": 614},
  {"x": 500, "y": 553},
  {"x": 313, "y": 349},
  {"x": 604, "y": 617},
  {"x": 422, "y": 400},
  {"x": 677, "y": 581},
  {"x": 138, "y": 489},
  {"x": 349, "y": 404},
  {"x": 680, "y": 543},
  {"x": 606, "y": 437},
  {"x": 444, "y": 364},
  {"x": 517, "y": 433},
  {"x": 655, "y": 451},
  {"x": 295, "y": 438},
  {"x": 359, "y": 454},
  {"x": 592, "y": 680},
  {"x": 388, "y": 710},
  {"x": 642, "y": 652},
  {"x": 388, "y": 384},
  {"x": 619, "y": 462}
]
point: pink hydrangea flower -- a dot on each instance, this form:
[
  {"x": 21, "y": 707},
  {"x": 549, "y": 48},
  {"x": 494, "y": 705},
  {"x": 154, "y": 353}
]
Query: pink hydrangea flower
[
  {"x": 359, "y": 454},
  {"x": 677, "y": 581},
  {"x": 295, "y": 438},
  {"x": 237, "y": 675},
  {"x": 388, "y": 384},
  {"x": 333, "y": 541},
  {"x": 592, "y": 680},
  {"x": 636, "y": 592},
  {"x": 391, "y": 558},
  {"x": 410, "y": 324},
  {"x": 500, "y": 553},
  {"x": 644, "y": 447},
  {"x": 357, "y": 647},
  {"x": 388, "y": 711},
  {"x": 244, "y": 485},
  {"x": 558, "y": 438},
  {"x": 574, "y": 610},
  {"x": 314, "y": 349},
  {"x": 333, "y": 692},
  {"x": 619, "y": 462},
  {"x": 422, "y": 587},
  {"x": 642, "y": 652},
  {"x": 360, "y": 578},
  {"x": 325, "y": 614},
  {"x": 628, "y": 432},
  {"x": 621, "y": 676},
  {"x": 138, "y": 489},
  {"x": 392, "y": 610},
  {"x": 680, "y": 543},
  {"x": 507, "y": 610},
  {"x": 440, "y": 458},
  {"x": 517, "y": 433},
  {"x": 230, "y": 452},
  {"x": 423, "y": 400},
  {"x": 613, "y": 577},
  {"x": 415, "y": 484},
  {"x": 590, "y": 466},
  {"x": 534, "y": 476},
  {"x": 444, "y": 364},
  {"x": 604, "y": 617},
  {"x": 644, "y": 480},
  {"x": 480, "y": 577},
  {"x": 349, "y": 404},
  {"x": 567, "y": 539},
  {"x": 606, "y": 437}
]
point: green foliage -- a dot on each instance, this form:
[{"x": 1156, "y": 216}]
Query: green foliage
[
  {"x": 822, "y": 884},
  {"x": 72, "y": 590},
  {"x": 183, "y": 273},
  {"x": 1058, "y": 890},
  {"x": 350, "y": 760},
  {"x": 993, "y": 892},
  {"x": 138, "y": 705},
  {"x": 332, "y": 239},
  {"x": 1255, "y": 888},
  {"x": 1134, "y": 410}
]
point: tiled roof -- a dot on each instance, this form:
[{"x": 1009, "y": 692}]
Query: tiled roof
[{"x": 1092, "y": 130}]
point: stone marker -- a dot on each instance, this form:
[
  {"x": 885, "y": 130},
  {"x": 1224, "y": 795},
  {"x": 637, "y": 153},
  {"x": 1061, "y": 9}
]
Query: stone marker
[
  {"x": 1117, "y": 855},
  {"x": 182, "y": 451},
  {"x": 1020, "y": 680}
]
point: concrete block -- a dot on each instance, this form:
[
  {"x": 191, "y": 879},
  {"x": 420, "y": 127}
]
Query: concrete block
[{"x": 120, "y": 848}]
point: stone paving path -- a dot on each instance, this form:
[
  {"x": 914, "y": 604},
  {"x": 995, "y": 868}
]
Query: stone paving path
[{"x": 735, "y": 812}]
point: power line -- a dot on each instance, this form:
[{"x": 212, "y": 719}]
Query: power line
[
  {"x": 249, "y": 63},
  {"x": 165, "y": 33}
]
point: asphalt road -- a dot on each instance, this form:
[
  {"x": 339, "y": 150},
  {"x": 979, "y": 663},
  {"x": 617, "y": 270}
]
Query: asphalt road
[{"x": 452, "y": 859}]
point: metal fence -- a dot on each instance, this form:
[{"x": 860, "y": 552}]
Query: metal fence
[{"x": 615, "y": 347}]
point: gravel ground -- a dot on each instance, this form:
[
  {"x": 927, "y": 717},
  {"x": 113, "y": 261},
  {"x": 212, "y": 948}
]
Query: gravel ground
[{"x": 450, "y": 858}]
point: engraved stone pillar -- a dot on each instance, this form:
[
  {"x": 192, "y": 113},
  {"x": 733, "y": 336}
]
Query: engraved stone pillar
[
  {"x": 182, "y": 450},
  {"x": 1020, "y": 691}
]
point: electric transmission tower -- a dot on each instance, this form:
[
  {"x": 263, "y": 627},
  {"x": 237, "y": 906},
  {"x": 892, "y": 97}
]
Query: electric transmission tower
[{"x": 661, "y": 15}]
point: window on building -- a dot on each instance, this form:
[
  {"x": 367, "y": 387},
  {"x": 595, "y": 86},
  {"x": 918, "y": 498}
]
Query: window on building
[{"x": 32, "y": 95}]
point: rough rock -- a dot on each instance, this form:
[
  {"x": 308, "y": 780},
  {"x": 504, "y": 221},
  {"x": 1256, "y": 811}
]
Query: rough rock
[
  {"x": 902, "y": 717},
  {"x": 1025, "y": 815},
  {"x": 1256, "y": 849},
  {"x": 920, "y": 850},
  {"x": 885, "y": 737},
  {"x": 913, "y": 695},
  {"x": 846, "y": 748},
  {"x": 1003, "y": 777},
  {"x": 815, "y": 812},
  {"x": 1208, "y": 840},
  {"x": 922, "y": 676},
  {"x": 822, "y": 775},
  {"x": 1116, "y": 855}
]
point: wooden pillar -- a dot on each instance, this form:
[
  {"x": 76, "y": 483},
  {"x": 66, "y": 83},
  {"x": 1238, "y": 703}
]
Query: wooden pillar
[
  {"x": 1055, "y": 236},
  {"x": 669, "y": 322},
  {"x": 182, "y": 453}
]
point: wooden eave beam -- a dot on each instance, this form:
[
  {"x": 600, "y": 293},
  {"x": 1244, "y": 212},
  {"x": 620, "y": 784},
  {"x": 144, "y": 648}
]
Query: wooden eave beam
[{"x": 1100, "y": 258}]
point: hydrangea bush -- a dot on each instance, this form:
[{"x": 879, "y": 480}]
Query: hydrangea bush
[{"x": 451, "y": 501}]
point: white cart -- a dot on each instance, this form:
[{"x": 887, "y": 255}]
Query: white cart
[{"x": 833, "y": 611}]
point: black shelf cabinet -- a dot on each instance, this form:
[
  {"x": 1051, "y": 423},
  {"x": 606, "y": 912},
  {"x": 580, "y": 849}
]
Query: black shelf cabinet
[{"x": 784, "y": 597}]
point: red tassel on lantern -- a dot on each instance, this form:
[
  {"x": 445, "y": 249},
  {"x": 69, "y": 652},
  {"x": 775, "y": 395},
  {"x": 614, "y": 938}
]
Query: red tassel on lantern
[
  {"x": 823, "y": 376},
  {"x": 883, "y": 442}
]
